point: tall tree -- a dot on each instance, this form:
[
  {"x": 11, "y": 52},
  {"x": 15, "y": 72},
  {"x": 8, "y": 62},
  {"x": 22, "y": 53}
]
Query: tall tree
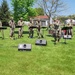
[
  {"x": 22, "y": 8},
  {"x": 4, "y": 12},
  {"x": 39, "y": 11},
  {"x": 51, "y": 7},
  {"x": 15, "y": 9}
]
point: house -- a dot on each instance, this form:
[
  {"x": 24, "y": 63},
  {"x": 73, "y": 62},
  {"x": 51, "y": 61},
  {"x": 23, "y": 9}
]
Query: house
[
  {"x": 70, "y": 20},
  {"x": 44, "y": 20}
]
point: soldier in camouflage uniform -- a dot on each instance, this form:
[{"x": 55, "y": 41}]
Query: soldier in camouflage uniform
[
  {"x": 39, "y": 31},
  {"x": 0, "y": 24},
  {"x": 12, "y": 27},
  {"x": 31, "y": 32},
  {"x": 1, "y": 30},
  {"x": 70, "y": 30},
  {"x": 57, "y": 31},
  {"x": 20, "y": 23}
]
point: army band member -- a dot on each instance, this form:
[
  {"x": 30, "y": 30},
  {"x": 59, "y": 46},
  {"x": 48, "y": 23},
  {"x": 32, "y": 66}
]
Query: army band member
[
  {"x": 12, "y": 27},
  {"x": 57, "y": 31},
  {"x": 1, "y": 30},
  {"x": 39, "y": 31},
  {"x": 70, "y": 26},
  {"x": 20, "y": 23},
  {"x": 31, "y": 32},
  {"x": 0, "y": 24}
]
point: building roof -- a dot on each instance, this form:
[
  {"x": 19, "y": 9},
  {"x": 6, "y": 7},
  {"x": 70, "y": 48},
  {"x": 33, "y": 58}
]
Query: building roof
[{"x": 41, "y": 17}]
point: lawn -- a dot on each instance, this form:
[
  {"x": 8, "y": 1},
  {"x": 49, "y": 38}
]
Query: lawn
[{"x": 52, "y": 59}]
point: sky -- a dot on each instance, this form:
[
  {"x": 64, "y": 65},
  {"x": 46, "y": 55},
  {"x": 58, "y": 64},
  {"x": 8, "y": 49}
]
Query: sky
[{"x": 70, "y": 4}]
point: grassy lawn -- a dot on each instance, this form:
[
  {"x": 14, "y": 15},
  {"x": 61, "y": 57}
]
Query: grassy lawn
[{"x": 41, "y": 60}]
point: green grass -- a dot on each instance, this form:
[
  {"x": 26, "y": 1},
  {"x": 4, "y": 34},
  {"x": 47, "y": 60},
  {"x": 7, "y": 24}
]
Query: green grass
[{"x": 52, "y": 59}]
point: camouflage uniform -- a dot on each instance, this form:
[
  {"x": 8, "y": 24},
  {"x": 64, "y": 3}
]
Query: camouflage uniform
[
  {"x": 31, "y": 32},
  {"x": 0, "y": 24},
  {"x": 57, "y": 32},
  {"x": 1, "y": 30},
  {"x": 39, "y": 31},
  {"x": 12, "y": 27},
  {"x": 20, "y": 23},
  {"x": 70, "y": 30}
]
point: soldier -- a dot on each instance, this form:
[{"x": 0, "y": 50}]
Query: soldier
[
  {"x": 31, "y": 32},
  {"x": 0, "y": 24},
  {"x": 12, "y": 27},
  {"x": 57, "y": 31},
  {"x": 39, "y": 32},
  {"x": 50, "y": 28},
  {"x": 71, "y": 28},
  {"x": 1, "y": 30},
  {"x": 20, "y": 23}
]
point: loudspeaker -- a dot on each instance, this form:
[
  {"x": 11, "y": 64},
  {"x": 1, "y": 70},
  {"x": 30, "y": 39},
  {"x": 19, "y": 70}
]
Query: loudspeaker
[
  {"x": 41, "y": 42},
  {"x": 23, "y": 47},
  {"x": 67, "y": 36}
]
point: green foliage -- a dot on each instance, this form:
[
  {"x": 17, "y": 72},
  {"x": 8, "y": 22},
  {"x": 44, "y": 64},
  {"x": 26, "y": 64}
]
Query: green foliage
[
  {"x": 71, "y": 16},
  {"x": 32, "y": 12},
  {"x": 63, "y": 18},
  {"x": 4, "y": 12},
  {"x": 39, "y": 11},
  {"x": 16, "y": 9},
  {"x": 22, "y": 8},
  {"x": 25, "y": 16}
]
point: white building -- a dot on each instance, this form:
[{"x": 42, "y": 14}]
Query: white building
[
  {"x": 69, "y": 21},
  {"x": 44, "y": 20}
]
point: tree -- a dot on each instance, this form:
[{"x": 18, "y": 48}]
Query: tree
[
  {"x": 62, "y": 18},
  {"x": 4, "y": 13},
  {"x": 51, "y": 7},
  {"x": 39, "y": 11},
  {"x": 22, "y": 8},
  {"x": 31, "y": 13},
  {"x": 15, "y": 9}
]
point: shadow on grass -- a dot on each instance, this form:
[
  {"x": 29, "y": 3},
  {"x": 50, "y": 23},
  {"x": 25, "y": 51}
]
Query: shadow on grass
[
  {"x": 53, "y": 40},
  {"x": 14, "y": 46},
  {"x": 65, "y": 43},
  {"x": 24, "y": 32},
  {"x": 0, "y": 37},
  {"x": 16, "y": 32},
  {"x": 49, "y": 35}
]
